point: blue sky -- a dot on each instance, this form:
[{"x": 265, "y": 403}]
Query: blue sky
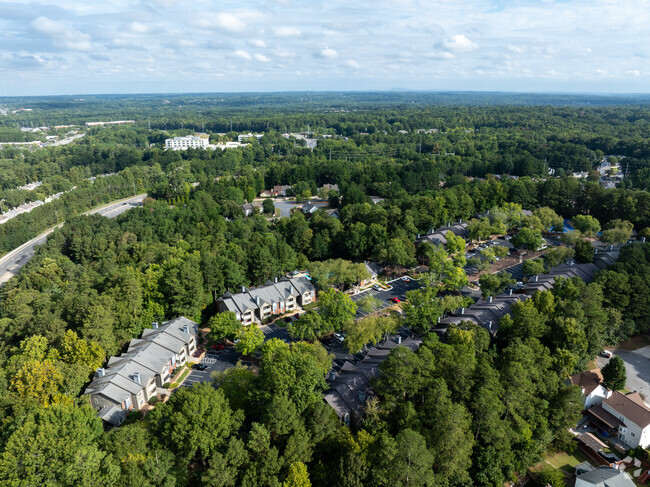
[{"x": 121, "y": 46}]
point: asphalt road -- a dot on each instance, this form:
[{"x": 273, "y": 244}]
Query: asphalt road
[
  {"x": 226, "y": 359},
  {"x": 399, "y": 290},
  {"x": 11, "y": 263},
  {"x": 637, "y": 368}
]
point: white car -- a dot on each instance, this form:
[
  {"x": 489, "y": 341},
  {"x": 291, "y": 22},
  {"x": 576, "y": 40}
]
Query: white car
[
  {"x": 339, "y": 337},
  {"x": 606, "y": 354}
]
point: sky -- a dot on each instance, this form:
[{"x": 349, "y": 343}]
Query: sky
[{"x": 177, "y": 46}]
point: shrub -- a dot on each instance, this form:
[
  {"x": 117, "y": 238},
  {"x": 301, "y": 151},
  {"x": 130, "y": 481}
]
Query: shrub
[
  {"x": 173, "y": 385},
  {"x": 166, "y": 386},
  {"x": 154, "y": 400}
]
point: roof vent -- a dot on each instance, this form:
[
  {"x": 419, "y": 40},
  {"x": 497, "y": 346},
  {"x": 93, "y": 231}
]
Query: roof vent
[
  {"x": 101, "y": 372},
  {"x": 489, "y": 300},
  {"x": 136, "y": 377},
  {"x": 399, "y": 339},
  {"x": 462, "y": 311},
  {"x": 186, "y": 329},
  {"x": 154, "y": 325}
]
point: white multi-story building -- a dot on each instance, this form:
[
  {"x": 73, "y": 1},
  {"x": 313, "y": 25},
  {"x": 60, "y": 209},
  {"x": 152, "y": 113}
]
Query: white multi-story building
[
  {"x": 248, "y": 136},
  {"x": 187, "y": 142}
]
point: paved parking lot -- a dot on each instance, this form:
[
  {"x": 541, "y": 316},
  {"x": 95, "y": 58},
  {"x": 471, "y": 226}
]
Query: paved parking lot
[
  {"x": 399, "y": 290},
  {"x": 637, "y": 368},
  {"x": 216, "y": 363}
]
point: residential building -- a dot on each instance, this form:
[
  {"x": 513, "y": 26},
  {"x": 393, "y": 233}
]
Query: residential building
[
  {"x": 604, "y": 476},
  {"x": 278, "y": 297},
  {"x": 350, "y": 387},
  {"x": 250, "y": 208},
  {"x": 376, "y": 199},
  {"x": 485, "y": 312},
  {"x": 131, "y": 379},
  {"x": 280, "y": 190},
  {"x": 248, "y": 136},
  {"x": 330, "y": 187},
  {"x": 266, "y": 194},
  {"x": 309, "y": 208},
  {"x": 625, "y": 416},
  {"x": 198, "y": 141},
  {"x": 591, "y": 386}
]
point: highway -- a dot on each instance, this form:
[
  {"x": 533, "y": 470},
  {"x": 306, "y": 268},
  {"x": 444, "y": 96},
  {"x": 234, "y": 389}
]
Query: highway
[{"x": 11, "y": 263}]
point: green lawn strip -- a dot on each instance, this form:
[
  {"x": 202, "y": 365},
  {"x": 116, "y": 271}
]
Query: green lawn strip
[{"x": 566, "y": 461}]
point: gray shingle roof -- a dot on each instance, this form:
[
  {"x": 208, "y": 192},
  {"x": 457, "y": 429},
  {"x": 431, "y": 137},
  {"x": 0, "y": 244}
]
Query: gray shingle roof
[
  {"x": 606, "y": 477},
  {"x": 269, "y": 293}
]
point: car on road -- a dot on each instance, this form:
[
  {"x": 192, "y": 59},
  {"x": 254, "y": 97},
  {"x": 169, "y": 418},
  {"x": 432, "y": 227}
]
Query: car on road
[
  {"x": 199, "y": 367},
  {"x": 339, "y": 337},
  {"x": 212, "y": 351},
  {"x": 395, "y": 299},
  {"x": 606, "y": 354}
]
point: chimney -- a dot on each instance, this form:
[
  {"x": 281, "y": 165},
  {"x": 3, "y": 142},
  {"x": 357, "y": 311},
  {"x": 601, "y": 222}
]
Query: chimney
[
  {"x": 136, "y": 378},
  {"x": 275, "y": 280},
  {"x": 243, "y": 289},
  {"x": 460, "y": 220},
  {"x": 489, "y": 300},
  {"x": 362, "y": 396},
  {"x": 642, "y": 239},
  {"x": 510, "y": 292},
  {"x": 101, "y": 372},
  {"x": 257, "y": 300},
  {"x": 611, "y": 247},
  {"x": 438, "y": 319},
  {"x": 418, "y": 236},
  {"x": 489, "y": 323},
  {"x": 186, "y": 329},
  {"x": 462, "y": 311},
  {"x": 154, "y": 325},
  {"x": 595, "y": 251},
  {"x": 399, "y": 339},
  {"x": 332, "y": 375},
  {"x": 536, "y": 277}
]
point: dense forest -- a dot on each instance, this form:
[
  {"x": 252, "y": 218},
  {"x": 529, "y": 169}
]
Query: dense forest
[{"x": 464, "y": 409}]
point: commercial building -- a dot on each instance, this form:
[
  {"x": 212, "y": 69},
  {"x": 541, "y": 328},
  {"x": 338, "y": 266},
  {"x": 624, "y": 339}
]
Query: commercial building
[{"x": 198, "y": 141}]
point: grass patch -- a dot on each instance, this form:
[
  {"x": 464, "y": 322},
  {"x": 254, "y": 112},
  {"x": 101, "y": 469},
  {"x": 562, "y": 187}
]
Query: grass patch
[
  {"x": 310, "y": 306},
  {"x": 184, "y": 374},
  {"x": 566, "y": 461}
]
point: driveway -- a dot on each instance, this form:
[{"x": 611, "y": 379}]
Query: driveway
[
  {"x": 399, "y": 289},
  {"x": 637, "y": 367}
]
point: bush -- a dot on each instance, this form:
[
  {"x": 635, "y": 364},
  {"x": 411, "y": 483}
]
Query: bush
[
  {"x": 166, "y": 386},
  {"x": 173, "y": 385},
  {"x": 154, "y": 400}
]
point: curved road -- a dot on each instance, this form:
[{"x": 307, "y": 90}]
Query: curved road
[{"x": 11, "y": 263}]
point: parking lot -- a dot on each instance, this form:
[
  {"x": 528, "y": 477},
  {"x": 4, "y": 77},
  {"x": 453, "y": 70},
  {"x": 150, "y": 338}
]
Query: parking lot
[
  {"x": 637, "y": 368},
  {"x": 226, "y": 359},
  {"x": 399, "y": 289}
]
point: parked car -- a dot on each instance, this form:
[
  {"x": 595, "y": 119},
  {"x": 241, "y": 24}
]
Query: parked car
[
  {"x": 199, "y": 366},
  {"x": 395, "y": 299},
  {"x": 339, "y": 337},
  {"x": 606, "y": 354},
  {"x": 377, "y": 287},
  {"x": 218, "y": 346},
  {"x": 212, "y": 351}
]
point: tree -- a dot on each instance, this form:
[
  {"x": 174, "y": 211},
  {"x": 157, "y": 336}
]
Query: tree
[
  {"x": 618, "y": 232},
  {"x": 533, "y": 267},
  {"x": 335, "y": 308},
  {"x": 268, "y": 207},
  {"x": 195, "y": 421},
  {"x": 368, "y": 303},
  {"x": 455, "y": 244},
  {"x": 584, "y": 251},
  {"x": 614, "y": 374},
  {"x": 39, "y": 380},
  {"x": 493, "y": 284},
  {"x": 586, "y": 224},
  {"x": 423, "y": 307},
  {"x": 455, "y": 278},
  {"x": 251, "y": 339},
  {"x": 224, "y": 325},
  {"x": 551, "y": 476},
  {"x": 310, "y": 326},
  {"x": 549, "y": 219},
  {"x": 528, "y": 238},
  {"x": 297, "y": 476}
]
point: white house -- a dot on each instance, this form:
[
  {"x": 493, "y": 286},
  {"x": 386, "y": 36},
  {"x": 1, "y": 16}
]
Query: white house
[
  {"x": 198, "y": 141},
  {"x": 590, "y": 383},
  {"x": 604, "y": 477},
  {"x": 634, "y": 417}
]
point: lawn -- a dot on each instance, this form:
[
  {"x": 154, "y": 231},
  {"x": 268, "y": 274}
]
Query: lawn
[{"x": 566, "y": 461}]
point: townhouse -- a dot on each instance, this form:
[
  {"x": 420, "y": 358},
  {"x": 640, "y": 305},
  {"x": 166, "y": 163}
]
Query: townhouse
[
  {"x": 130, "y": 380},
  {"x": 625, "y": 416},
  {"x": 278, "y": 297}
]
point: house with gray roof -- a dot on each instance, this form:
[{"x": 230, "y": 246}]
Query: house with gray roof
[
  {"x": 604, "y": 476},
  {"x": 278, "y": 297},
  {"x": 130, "y": 380},
  {"x": 250, "y": 208},
  {"x": 351, "y": 385}
]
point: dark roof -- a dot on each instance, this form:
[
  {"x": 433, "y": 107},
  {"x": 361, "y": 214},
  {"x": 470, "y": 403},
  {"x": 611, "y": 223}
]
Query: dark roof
[
  {"x": 630, "y": 406},
  {"x": 591, "y": 442},
  {"x": 587, "y": 381},
  {"x": 607, "y": 477},
  {"x": 605, "y": 417}
]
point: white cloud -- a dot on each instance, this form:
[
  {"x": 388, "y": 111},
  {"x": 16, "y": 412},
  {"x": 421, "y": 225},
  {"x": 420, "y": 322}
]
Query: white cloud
[
  {"x": 223, "y": 21},
  {"x": 352, "y": 64},
  {"x": 439, "y": 55},
  {"x": 516, "y": 49},
  {"x": 633, "y": 72},
  {"x": 61, "y": 35},
  {"x": 257, "y": 43},
  {"x": 328, "y": 53},
  {"x": 285, "y": 31},
  {"x": 138, "y": 28},
  {"x": 261, "y": 58},
  {"x": 242, "y": 55},
  {"x": 459, "y": 43}
]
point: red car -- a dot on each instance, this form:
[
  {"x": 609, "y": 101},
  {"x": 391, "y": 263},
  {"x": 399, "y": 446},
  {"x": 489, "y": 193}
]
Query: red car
[
  {"x": 396, "y": 300},
  {"x": 218, "y": 346}
]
